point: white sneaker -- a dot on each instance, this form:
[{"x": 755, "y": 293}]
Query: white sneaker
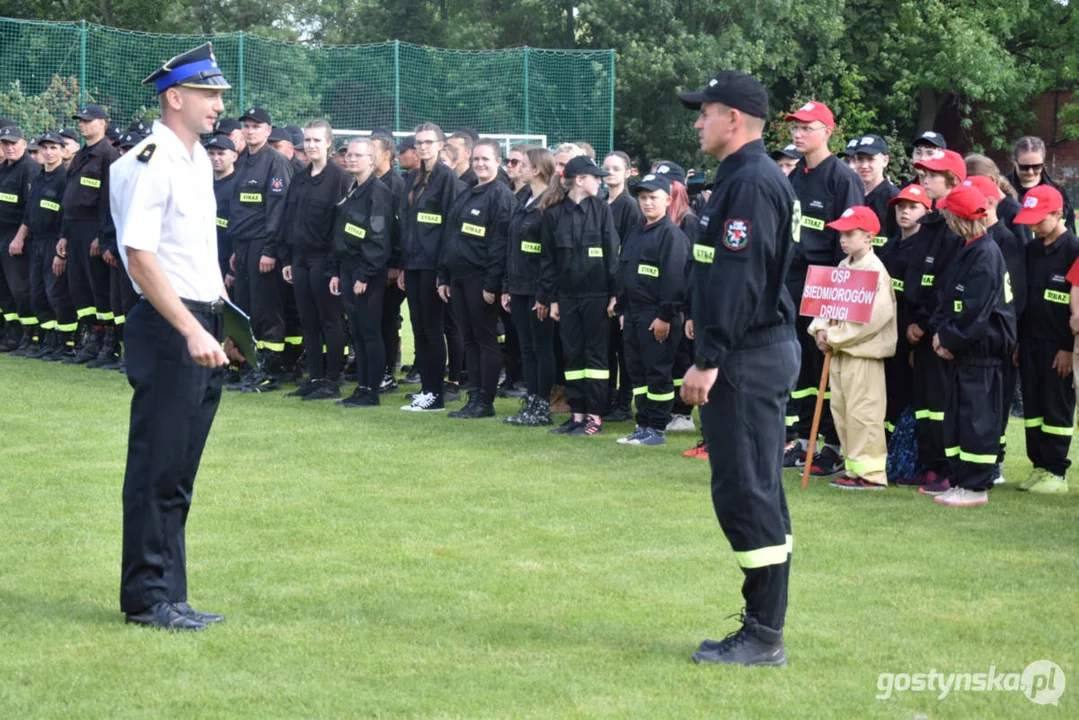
[
  {"x": 999, "y": 480},
  {"x": 681, "y": 423},
  {"x": 424, "y": 402},
  {"x": 961, "y": 497}
]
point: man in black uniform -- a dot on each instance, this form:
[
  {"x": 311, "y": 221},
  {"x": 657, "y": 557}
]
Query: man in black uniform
[
  {"x": 743, "y": 318},
  {"x": 870, "y": 161},
  {"x": 86, "y": 228},
  {"x": 222, "y": 154},
  {"x": 258, "y": 205},
  {"x": 17, "y": 173},
  {"x": 394, "y": 296},
  {"x": 825, "y": 187},
  {"x": 233, "y": 130}
]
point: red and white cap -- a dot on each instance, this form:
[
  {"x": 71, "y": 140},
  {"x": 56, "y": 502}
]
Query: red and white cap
[
  {"x": 858, "y": 217},
  {"x": 912, "y": 193},
  {"x": 985, "y": 186},
  {"x": 1039, "y": 202},
  {"x": 811, "y": 112},
  {"x": 964, "y": 202},
  {"x": 948, "y": 160}
]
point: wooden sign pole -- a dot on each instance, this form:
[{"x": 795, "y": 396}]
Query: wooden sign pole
[{"x": 816, "y": 419}]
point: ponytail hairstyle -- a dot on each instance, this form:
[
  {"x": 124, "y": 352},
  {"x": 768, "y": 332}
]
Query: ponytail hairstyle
[
  {"x": 679, "y": 207},
  {"x": 1028, "y": 143},
  {"x": 542, "y": 161},
  {"x": 556, "y": 191},
  {"x": 982, "y": 165},
  {"x": 425, "y": 172}
]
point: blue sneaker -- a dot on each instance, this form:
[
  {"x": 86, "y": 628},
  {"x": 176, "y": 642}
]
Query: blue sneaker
[
  {"x": 652, "y": 437},
  {"x": 634, "y": 437}
]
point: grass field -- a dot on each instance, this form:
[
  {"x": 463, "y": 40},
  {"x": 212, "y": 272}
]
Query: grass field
[{"x": 379, "y": 563}]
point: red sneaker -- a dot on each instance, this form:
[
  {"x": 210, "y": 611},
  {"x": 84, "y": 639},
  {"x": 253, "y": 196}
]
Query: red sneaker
[{"x": 699, "y": 451}]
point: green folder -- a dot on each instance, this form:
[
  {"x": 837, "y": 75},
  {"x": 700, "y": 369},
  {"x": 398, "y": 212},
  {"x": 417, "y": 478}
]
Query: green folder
[{"x": 237, "y": 325}]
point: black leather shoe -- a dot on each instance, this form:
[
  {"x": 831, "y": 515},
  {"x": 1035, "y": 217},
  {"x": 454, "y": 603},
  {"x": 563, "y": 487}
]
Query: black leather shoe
[
  {"x": 200, "y": 617},
  {"x": 164, "y": 617}
]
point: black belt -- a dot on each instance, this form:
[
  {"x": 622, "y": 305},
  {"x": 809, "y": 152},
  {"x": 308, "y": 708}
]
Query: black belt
[{"x": 206, "y": 308}]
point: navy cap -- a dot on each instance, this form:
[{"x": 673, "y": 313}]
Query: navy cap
[
  {"x": 382, "y": 131},
  {"x": 33, "y": 145},
  {"x": 733, "y": 89},
  {"x": 69, "y": 134},
  {"x": 851, "y": 149},
  {"x": 296, "y": 135},
  {"x": 257, "y": 114},
  {"x": 407, "y": 143},
  {"x": 653, "y": 181},
  {"x": 789, "y": 151},
  {"x": 280, "y": 134},
  {"x": 113, "y": 132},
  {"x": 51, "y": 137},
  {"x": 583, "y": 165},
  {"x": 4, "y": 122},
  {"x": 91, "y": 112},
  {"x": 931, "y": 138},
  {"x": 221, "y": 142},
  {"x": 227, "y": 126},
  {"x": 868, "y": 145},
  {"x": 672, "y": 171},
  {"x": 11, "y": 134},
  {"x": 129, "y": 140},
  {"x": 195, "y": 68},
  {"x": 138, "y": 127}
]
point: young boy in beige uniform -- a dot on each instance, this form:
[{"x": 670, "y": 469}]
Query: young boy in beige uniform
[{"x": 859, "y": 397}]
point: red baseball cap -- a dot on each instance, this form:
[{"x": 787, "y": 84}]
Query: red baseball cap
[
  {"x": 858, "y": 217},
  {"x": 985, "y": 186},
  {"x": 1039, "y": 202},
  {"x": 947, "y": 160},
  {"x": 912, "y": 193},
  {"x": 964, "y": 201},
  {"x": 811, "y": 111}
]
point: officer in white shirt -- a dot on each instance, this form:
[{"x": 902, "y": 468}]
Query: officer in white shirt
[{"x": 162, "y": 203}]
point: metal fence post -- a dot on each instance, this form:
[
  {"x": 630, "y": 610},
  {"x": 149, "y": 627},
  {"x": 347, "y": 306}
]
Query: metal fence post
[
  {"x": 240, "y": 54},
  {"x": 528, "y": 128},
  {"x": 397, "y": 85},
  {"x": 611, "y": 121},
  {"x": 82, "y": 62}
]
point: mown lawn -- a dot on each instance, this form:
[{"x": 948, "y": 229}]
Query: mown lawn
[{"x": 379, "y": 563}]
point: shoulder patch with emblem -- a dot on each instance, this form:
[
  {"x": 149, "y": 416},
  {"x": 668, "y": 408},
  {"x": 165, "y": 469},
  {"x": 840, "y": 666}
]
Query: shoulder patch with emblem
[
  {"x": 736, "y": 234},
  {"x": 277, "y": 186},
  {"x": 147, "y": 152}
]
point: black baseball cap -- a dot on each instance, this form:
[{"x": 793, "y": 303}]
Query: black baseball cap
[
  {"x": 672, "y": 171},
  {"x": 11, "y": 134},
  {"x": 33, "y": 145},
  {"x": 789, "y": 151},
  {"x": 733, "y": 89},
  {"x": 931, "y": 138},
  {"x": 381, "y": 131},
  {"x": 296, "y": 134},
  {"x": 868, "y": 145},
  {"x": 280, "y": 134},
  {"x": 583, "y": 165},
  {"x": 5, "y": 121},
  {"x": 91, "y": 112},
  {"x": 138, "y": 127},
  {"x": 850, "y": 149},
  {"x": 221, "y": 142},
  {"x": 113, "y": 132},
  {"x": 227, "y": 126},
  {"x": 51, "y": 137},
  {"x": 653, "y": 181},
  {"x": 407, "y": 143},
  {"x": 129, "y": 140},
  {"x": 257, "y": 114},
  {"x": 69, "y": 134}
]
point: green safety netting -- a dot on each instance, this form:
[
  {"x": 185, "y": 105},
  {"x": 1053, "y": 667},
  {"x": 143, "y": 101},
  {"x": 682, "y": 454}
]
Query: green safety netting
[{"x": 48, "y": 69}]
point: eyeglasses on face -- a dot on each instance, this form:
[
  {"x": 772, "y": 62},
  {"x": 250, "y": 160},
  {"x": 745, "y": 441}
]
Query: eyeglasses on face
[
  {"x": 425, "y": 143},
  {"x": 1036, "y": 167},
  {"x": 513, "y": 162}
]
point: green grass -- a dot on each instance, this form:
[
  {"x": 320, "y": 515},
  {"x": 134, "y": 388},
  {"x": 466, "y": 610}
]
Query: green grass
[{"x": 379, "y": 563}]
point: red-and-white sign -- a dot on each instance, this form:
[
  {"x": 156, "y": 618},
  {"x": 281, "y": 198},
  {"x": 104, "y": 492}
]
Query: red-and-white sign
[{"x": 838, "y": 293}]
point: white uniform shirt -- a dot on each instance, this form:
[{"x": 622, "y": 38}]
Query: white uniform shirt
[{"x": 166, "y": 206}]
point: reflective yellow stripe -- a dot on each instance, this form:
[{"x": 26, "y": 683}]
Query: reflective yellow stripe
[
  {"x": 272, "y": 346},
  {"x": 355, "y": 231},
  {"x": 83, "y": 312},
  {"x": 703, "y": 253},
  {"x": 867, "y": 466},
  {"x": 763, "y": 557},
  {"x": 470, "y": 229},
  {"x": 1055, "y": 296},
  {"x": 661, "y": 397},
  {"x": 812, "y": 223},
  {"x": 48, "y": 325},
  {"x": 250, "y": 197},
  {"x": 640, "y": 390},
  {"x": 879, "y": 240},
  {"x": 927, "y": 280},
  {"x": 119, "y": 319},
  {"x": 928, "y": 415},
  {"x": 1033, "y": 422},
  {"x": 790, "y": 420},
  {"x": 890, "y": 427},
  {"x": 678, "y": 382},
  {"x": 429, "y": 218},
  {"x": 574, "y": 375},
  {"x": 970, "y": 457},
  {"x": 28, "y": 321},
  {"x": 1055, "y": 430},
  {"x": 897, "y": 285},
  {"x": 90, "y": 182},
  {"x": 594, "y": 252},
  {"x": 105, "y": 316},
  {"x": 530, "y": 247},
  {"x": 957, "y": 305},
  {"x": 804, "y": 393},
  {"x": 50, "y": 205},
  {"x": 11, "y": 317},
  {"x": 222, "y": 222},
  {"x": 294, "y": 339},
  {"x": 597, "y": 374},
  {"x": 649, "y": 270},
  {"x": 67, "y": 328},
  {"x": 9, "y": 198}
]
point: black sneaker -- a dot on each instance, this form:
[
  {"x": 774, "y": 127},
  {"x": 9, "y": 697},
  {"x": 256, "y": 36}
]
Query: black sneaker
[
  {"x": 618, "y": 413},
  {"x": 751, "y": 644},
  {"x": 239, "y": 383},
  {"x": 360, "y": 397},
  {"x": 475, "y": 409},
  {"x": 465, "y": 409},
  {"x": 388, "y": 384},
  {"x": 451, "y": 392},
  {"x": 827, "y": 462},
  {"x": 794, "y": 455},
  {"x": 304, "y": 389},
  {"x": 526, "y": 405},
  {"x": 411, "y": 378},
  {"x": 511, "y": 391},
  {"x": 588, "y": 428},
  {"x": 260, "y": 382},
  {"x": 566, "y": 427},
  {"x": 325, "y": 389}
]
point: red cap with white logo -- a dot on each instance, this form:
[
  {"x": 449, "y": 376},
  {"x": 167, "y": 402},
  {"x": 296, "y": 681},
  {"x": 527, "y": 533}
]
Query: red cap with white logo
[
  {"x": 858, "y": 217},
  {"x": 1039, "y": 202},
  {"x": 912, "y": 193},
  {"x": 812, "y": 111}
]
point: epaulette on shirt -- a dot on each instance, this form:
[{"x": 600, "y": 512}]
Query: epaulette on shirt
[{"x": 147, "y": 152}]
